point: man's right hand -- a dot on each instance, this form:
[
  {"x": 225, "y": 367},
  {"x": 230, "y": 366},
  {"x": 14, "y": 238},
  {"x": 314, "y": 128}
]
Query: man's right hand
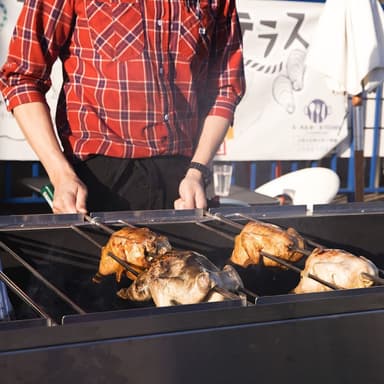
[
  {"x": 35, "y": 121},
  {"x": 70, "y": 195}
]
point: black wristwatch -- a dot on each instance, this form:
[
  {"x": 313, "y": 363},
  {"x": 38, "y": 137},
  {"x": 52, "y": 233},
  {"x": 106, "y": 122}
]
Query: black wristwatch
[{"x": 205, "y": 171}]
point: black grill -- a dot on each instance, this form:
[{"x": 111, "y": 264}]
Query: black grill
[{"x": 63, "y": 322}]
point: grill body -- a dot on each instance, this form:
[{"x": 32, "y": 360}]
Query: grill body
[{"x": 332, "y": 337}]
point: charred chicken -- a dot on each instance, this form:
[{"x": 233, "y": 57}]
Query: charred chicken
[
  {"x": 136, "y": 246},
  {"x": 181, "y": 277}
]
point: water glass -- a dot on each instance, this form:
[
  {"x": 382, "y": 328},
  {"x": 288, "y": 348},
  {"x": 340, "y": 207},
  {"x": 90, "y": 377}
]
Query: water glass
[{"x": 222, "y": 175}]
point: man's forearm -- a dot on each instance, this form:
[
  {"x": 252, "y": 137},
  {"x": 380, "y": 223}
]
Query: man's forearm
[
  {"x": 35, "y": 122},
  {"x": 212, "y": 135}
]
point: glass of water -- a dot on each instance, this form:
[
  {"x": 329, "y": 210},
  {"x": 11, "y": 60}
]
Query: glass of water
[{"x": 222, "y": 175}]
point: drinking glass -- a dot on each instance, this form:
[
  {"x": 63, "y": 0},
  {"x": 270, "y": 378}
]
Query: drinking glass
[{"x": 222, "y": 174}]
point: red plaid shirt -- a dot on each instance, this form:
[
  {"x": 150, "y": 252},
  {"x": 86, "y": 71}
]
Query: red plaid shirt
[{"x": 139, "y": 75}]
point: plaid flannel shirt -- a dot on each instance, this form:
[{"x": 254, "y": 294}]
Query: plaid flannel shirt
[{"x": 139, "y": 76}]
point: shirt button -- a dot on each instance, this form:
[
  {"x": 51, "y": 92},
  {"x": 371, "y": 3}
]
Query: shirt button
[
  {"x": 161, "y": 70},
  {"x": 166, "y": 117},
  {"x": 159, "y": 23}
]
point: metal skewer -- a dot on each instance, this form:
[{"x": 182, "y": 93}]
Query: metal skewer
[
  {"x": 217, "y": 231},
  {"x": 93, "y": 221},
  {"x": 248, "y": 292},
  {"x": 23, "y": 296},
  {"x": 126, "y": 223},
  {"x": 124, "y": 264},
  {"x": 373, "y": 278},
  {"x": 294, "y": 268},
  {"x": 225, "y": 220},
  {"x": 226, "y": 294},
  {"x": 42, "y": 278},
  {"x": 305, "y": 252}
]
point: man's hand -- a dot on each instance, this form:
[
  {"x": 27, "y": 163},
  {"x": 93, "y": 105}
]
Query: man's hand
[
  {"x": 35, "y": 121},
  {"x": 70, "y": 195},
  {"x": 191, "y": 190}
]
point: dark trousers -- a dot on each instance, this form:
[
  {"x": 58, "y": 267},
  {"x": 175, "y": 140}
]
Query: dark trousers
[{"x": 131, "y": 184}]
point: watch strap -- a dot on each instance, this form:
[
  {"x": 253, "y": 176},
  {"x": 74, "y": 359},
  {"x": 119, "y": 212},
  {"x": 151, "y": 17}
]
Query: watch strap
[{"x": 205, "y": 171}]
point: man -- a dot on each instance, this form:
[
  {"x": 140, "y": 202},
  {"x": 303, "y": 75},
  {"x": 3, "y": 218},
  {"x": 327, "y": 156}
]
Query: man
[{"x": 149, "y": 91}]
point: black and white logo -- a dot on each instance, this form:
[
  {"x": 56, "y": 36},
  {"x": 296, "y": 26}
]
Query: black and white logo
[{"x": 317, "y": 111}]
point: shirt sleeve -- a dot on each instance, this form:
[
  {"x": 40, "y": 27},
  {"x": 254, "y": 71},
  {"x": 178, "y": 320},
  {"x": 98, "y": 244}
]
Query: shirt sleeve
[
  {"x": 226, "y": 74},
  {"x": 42, "y": 29}
]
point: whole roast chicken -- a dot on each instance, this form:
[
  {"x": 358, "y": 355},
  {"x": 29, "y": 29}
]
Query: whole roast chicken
[
  {"x": 258, "y": 236},
  {"x": 182, "y": 277},
  {"x": 336, "y": 266},
  {"x": 136, "y": 246}
]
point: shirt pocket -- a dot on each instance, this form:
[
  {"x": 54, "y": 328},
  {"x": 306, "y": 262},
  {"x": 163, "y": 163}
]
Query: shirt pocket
[
  {"x": 195, "y": 31},
  {"x": 116, "y": 28}
]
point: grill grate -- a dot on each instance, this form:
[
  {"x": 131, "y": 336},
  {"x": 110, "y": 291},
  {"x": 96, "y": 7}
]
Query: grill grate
[{"x": 55, "y": 254}]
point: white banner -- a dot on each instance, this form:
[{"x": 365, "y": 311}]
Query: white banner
[{"x": 287, "y": 113}]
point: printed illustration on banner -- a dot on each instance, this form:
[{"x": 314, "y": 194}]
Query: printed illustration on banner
[{"x": 287, "y": 112}]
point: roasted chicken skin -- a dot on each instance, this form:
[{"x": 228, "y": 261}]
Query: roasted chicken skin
[
  {"x": 258, "y": 236},
  {"x": 136, "y": 246},
  {"x": 181, "y": 277},
  {"x": 338, "y": 267}
]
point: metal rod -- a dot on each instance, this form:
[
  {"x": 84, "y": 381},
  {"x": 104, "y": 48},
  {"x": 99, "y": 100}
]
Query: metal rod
[
  {"x": 305, "y": 252},
  {"x": 248, "y": 292},
  {"x": 23, "y": 296},
  {"x": 124, "y": 264},
  {"x": 98, "y": 224},
  {"x": 247, "y": 217},
  {"x": 126, "y": 223},
  {"x": 373, "y": 278},
  {"x": 357, "y": 102},
  {"x": 42, "y": 278},
  {"x": 281, "y": 261},
  {"x": 314, "y": 244},
  {"x": 225, "y": 220},
  {"x": 89, "y": 238},
  {"x": 223, "y": 292},
  {"x": 294, "y": 268},
  {"x": 208, "y": 228}
]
